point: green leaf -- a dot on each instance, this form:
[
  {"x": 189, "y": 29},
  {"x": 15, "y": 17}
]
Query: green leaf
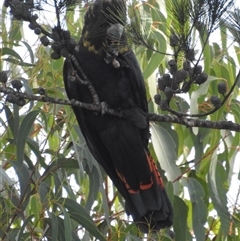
[
  {"x": 54, "y": 142},
  {"x": 170, "y": 190},
  {"x": 67, "y": 163},
  {"x": 34, "y": 206},
  {"x": 10, "y": 119},
  {"x": 26, "y": 222},
  {"x": 15, "y": 31},
  {"x": 79, "y": 214},
  {"x": 152, "y": 64},
  {"x": 17, "y": 62},
  {"x": 218, "y": 191},
  {"x": 181, "y": 103},
  {"x": 59, "y": 181},
  {"x": 162, "y": 44},
  {"x": 23, "y": 175},
  {"x": 208, "y": 55},
  {"x": 34, "y": 146},
  {"x": 29, "y": 50},
  {"x": 24, "y": 130},
  {"x": 198, "y": 146},
  {"x": 8, "y": 51},
  {"x": 199, "y": 208},
  {"x": 202, "y": 90},
  {"x": 54, "y": 224},
  {"x": 180, "y": 219},
  {"x": 165, "y": 149},
  {"x": 16, "y": 121},
  {"x": 59, "y": 222},
  {"x": 12, "y": 234},
  {"x": 43, "y": 190},
  {"x": 5, "y": 181},
  {"x": 93, "y": 188},
  {"x": 13, "y": 196},
  {"x": 103, "y": 193},
  {"x": 76, "y": 147},
  {"x": 152, "y": 89},
  {"x": 237, "y": 49},
  {"x": 29, "y": 90},
  {"x": 130, "y": 237},
  {"x": 67, "y": 224}
]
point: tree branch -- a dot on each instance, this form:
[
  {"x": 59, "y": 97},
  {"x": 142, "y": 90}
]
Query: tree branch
[{"x": 189, "y": 122}]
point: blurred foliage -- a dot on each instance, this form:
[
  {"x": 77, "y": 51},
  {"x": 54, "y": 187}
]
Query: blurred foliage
[{"x": 51, "y": 188}]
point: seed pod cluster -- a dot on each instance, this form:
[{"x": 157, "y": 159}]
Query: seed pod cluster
[
  {"x": 55, "y": 35},
  {"x": 17, "y": 84},
  {"x": 37, "y": 31},
  {"x": 21, "y": 102},
  {"x": 157, "y": 99},
  {"x": 201, "y": 78},
  {"x": 44, "y": 40},
  {"x": 66, "y": 34},
  {"x": 196, "y": 74},
  {"x": 222, "y": 88},
  {"x": 174, "y": 41},
  {"x": 62, "y": 41},
  {"x": 187, "y": 65},
  {"x": 11, "y": 98},
  {"x": 180, "y": 76},
  {"x": 190, "y": 54},
  {"x": 172, "y": 66},
  {"x": 19, "y": 9},
  {"x": 168, "y": 93},
  {"x": 3, "y": 77},
  {"x": 215, "y": 100},
  {"x": 41, "y": 91},
  {"x": 179, "y": 80},
  {"x": 163, "y": 104},
  {"x": 197, "y": 69},
  {"x": 57, "y": 46},
  {"x": 55, "y": 55},
  {"x": 171, "y": 84},
  {"x": 63, "y": 44}
]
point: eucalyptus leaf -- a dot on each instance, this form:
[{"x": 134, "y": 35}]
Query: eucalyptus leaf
[
  {"x": 24, "y": 130},
  {"x": 67, "y": 224},
  {"x": 199, "y": 208},
  {"x": 9, "y": 51},
  {"x": 165, "y": 149},
  {"x": 10, "y": 119},
  {"x": 93, "y": 188},
  {"x": 180, "y": 219},
  {"x": 202, "y": 90},
  {"x": 26, "y": 222},
  {"x": 79, "y": 214},
  {"x": 54, "y": 225},
  {"x": 25, "y": 183},
  {"x": 152, "y": 65},
  {"x": 218, "y": 192},
  {"x": 30, "y": 51}
]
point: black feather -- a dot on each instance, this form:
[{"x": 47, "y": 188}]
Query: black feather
[{"x": 120, "y": 145}]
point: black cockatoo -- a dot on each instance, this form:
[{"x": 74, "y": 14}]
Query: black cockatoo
[{"x": 119, "y": 144}]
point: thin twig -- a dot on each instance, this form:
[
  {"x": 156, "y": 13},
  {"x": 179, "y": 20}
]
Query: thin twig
[
  {"x": 189, "y": 122},
  {"x": 86, "y": 81}
]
